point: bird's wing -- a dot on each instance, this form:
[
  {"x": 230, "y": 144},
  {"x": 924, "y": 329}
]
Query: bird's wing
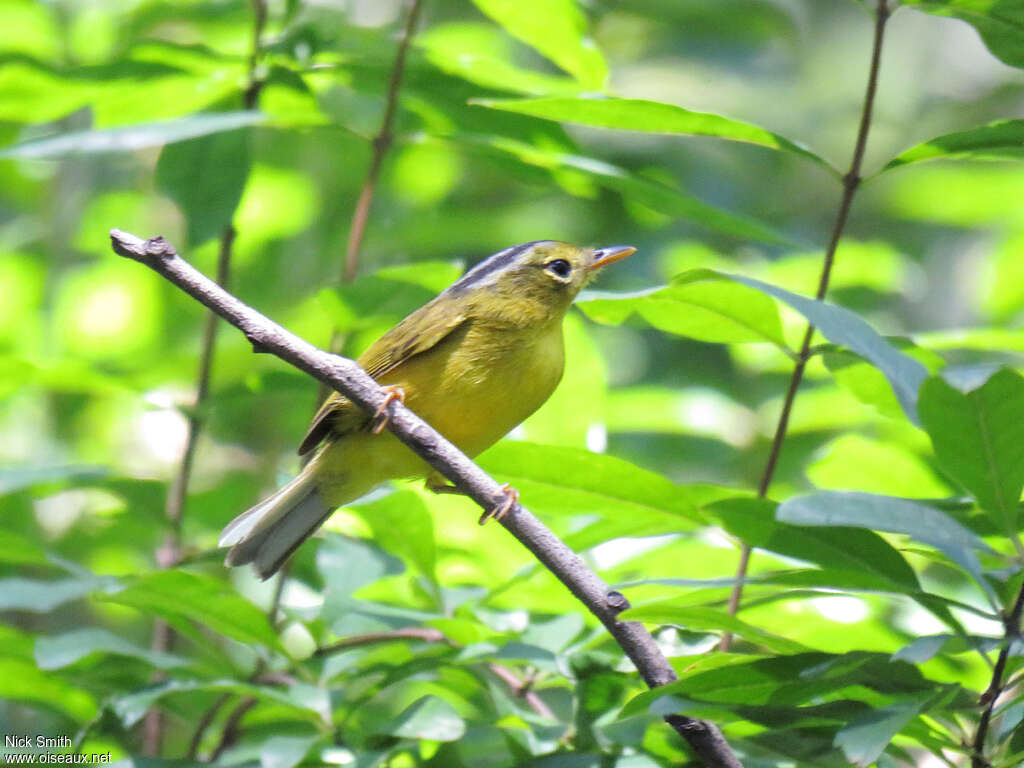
[{"x": 420, "y": 331}]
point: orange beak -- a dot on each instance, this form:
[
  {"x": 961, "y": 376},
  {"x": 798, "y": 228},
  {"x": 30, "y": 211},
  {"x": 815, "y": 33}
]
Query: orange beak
[{"x": 605, "y": 256}]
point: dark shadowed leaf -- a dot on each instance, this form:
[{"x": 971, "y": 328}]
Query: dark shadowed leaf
[
  {"x": 205, "y": 177},
  {"x": 863, "y": 740},
  {"x": 402, "y": 525},
  {"x": 56, "y": 651},
  {"x": 978, "y": 436},
  {"x": 841, "y": 326},
  {"x": 886, "y": 513}
]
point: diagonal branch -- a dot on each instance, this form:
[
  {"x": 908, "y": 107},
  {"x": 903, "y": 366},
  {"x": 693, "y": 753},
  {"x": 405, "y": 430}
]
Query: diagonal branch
[
  {"x": 347, "y": 377},
  {"x": 851, "y": 182}
]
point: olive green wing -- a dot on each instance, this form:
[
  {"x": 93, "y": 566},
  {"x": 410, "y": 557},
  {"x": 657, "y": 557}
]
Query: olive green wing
[{"x": 420, "y": 331}]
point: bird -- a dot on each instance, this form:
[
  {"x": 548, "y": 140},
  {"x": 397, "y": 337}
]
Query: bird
[{"x": 473, "y": 362}]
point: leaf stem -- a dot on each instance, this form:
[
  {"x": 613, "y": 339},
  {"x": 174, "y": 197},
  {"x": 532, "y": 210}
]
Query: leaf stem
[{"x": 851, "y": 182}]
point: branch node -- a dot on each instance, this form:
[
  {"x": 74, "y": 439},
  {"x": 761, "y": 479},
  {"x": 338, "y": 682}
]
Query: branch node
[{"x": 616, "y": 601}]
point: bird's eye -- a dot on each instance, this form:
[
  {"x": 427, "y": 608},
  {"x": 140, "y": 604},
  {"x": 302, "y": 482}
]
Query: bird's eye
[{"x": 559, "y": 267}]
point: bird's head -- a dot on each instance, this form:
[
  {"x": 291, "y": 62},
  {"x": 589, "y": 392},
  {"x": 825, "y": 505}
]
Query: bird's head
[{"x": 536, "y": 280}]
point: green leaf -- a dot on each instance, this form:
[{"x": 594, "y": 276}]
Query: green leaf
[
  {"x": 999, "y": 23},
  {"x": 999, "y": 140},
  {"x": 57, "y": 651},
  {"x": 874, "y": 466},
  {"x": 633, "y": 188},
  {"x": 648, "y": 117},
  {"x": 864, "y": 740},
  {"x": 285, "y": 751},
  {"x": 482, "y": 54},
  {"x": 22, "y": 681},
  {"x": 18, "y": 594},
  {"x": 851, "y": 550},
  {"x": 557, "y": 29},
  {"x": 205, "y": 176},
  {"x": 402, "y": 525},
  {"x": 134, "y": 137},
  {"x": 430, "y": 718},
  {"x": 978, "y": 436},
  {"x": 697, "y": 618},
  {"x": 841, "y": 326},
  {"x": 178, "y": 595},
  {"x": 567, "y": 481},
  {"x": 885, "y": 513},
  {"x": 15, "y": 478},
  {"x": 701, "y": 304},
  {"x": 132, "y": 707}
]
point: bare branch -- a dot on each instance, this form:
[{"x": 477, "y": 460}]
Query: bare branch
[
  {"x": 851, "y": 181},
  {"x": 347, "y": 377}
]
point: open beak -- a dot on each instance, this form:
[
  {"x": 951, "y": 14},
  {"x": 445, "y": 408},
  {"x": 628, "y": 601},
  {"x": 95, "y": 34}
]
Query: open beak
[{"x": 605, "y": 256}]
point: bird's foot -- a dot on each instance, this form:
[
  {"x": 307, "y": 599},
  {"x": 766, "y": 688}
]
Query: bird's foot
[
  {"x": 380, "y": 416},
  {"x": 502, "y": 508}
]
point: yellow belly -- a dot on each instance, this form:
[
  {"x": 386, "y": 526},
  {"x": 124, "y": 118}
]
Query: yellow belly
[{"x": 473, "y": 387}]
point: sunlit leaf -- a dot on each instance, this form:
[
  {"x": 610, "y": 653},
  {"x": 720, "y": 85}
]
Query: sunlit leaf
[
  {"x": 977, "y": 430},
  {"x": 853, "y": 461},
  {"x": 133, "y": 137},
  {"x": 696, "y": 618},
  {"x": 22, "y": 681},
  {"x": 998, "y": 23},
  {"x": 1004, "y": 139},
  {"x": 700, "y": 304},
  {"x": 178, "y": 594},
  {"x": 429, "y": 718},
  {"x": 557, "y": 29},
  {"x": 402, "y": 525},
  {"x": 647, "y": 116}
]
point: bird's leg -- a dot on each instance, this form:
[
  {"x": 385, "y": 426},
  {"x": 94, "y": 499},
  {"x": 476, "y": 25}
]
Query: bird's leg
[
  {"x": 437, "y": 484},
  {"x": 380, "y": 417},
  {"x": 499, "y": 511}
]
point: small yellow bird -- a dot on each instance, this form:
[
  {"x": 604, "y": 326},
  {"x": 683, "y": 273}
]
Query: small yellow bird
[{"x": 473, "y": 363}]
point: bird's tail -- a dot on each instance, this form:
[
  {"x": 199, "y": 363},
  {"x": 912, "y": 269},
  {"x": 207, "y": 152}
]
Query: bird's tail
[{"x": 266, "y": 534}]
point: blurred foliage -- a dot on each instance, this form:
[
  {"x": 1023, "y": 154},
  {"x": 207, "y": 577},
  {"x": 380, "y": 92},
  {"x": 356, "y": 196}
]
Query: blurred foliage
[{"x": 886, "y": 559}]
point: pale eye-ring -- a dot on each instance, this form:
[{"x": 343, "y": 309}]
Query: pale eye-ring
[{"x": 559, "y": 268}]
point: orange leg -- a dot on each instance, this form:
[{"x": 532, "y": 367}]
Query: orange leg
[
  {"x": 510, "y": 500},
  {"x": 380, "y": 416}
]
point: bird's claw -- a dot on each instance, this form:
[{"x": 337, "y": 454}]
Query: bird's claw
[
  {"x": 501, "y": 509},
  {"x": 380, "y": 416}
]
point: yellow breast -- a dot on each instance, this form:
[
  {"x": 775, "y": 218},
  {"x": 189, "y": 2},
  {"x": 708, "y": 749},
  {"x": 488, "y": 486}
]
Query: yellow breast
[{"x": 482, "y": 381}]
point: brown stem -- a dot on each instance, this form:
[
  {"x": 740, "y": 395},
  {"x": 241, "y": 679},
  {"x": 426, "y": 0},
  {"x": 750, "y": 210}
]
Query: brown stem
[
  {"x": 346, "y": 377},
  {"x": 381, "y": 144},
  {"x": 851, "y": 181},
  {"x": 169, "y": 552},
  {"x": 1011, "y": 625}
]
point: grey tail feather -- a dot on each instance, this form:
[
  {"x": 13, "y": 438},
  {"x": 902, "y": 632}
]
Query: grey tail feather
[{"x": 268, "y": 533}]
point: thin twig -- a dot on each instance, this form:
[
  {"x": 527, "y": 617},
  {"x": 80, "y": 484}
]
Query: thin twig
[
  {"x": 851, "y": 181},
  {"x": 1011, "y": 625},
  {"x": 381, "y": 144},
  {"x": 349, "y": 379},
  {"x": 170, "y": 551},
  {"x": 519, "y": 688}
]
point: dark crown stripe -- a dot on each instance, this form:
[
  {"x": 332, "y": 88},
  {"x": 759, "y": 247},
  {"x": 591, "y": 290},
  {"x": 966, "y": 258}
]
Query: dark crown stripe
[{"x": 490, "y": 265}]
